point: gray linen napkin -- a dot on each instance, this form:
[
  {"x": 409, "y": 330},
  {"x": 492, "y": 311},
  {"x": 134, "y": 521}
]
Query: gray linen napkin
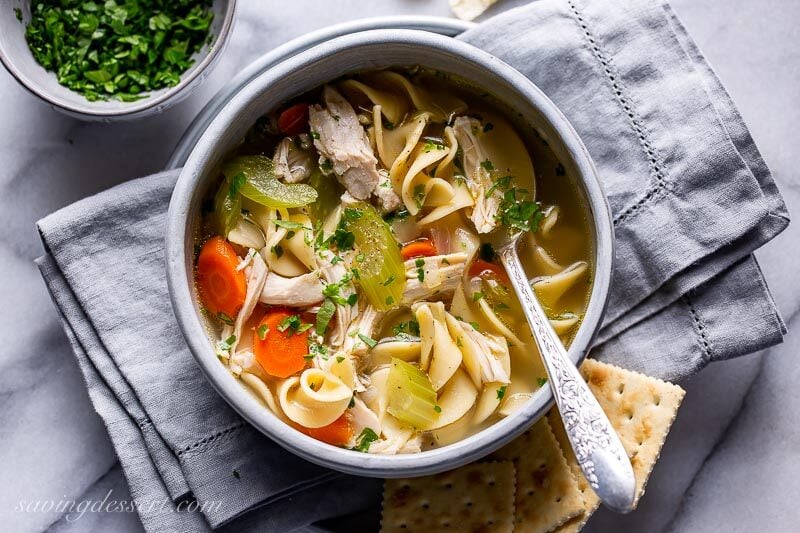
[{"x": 691, "y": 196}]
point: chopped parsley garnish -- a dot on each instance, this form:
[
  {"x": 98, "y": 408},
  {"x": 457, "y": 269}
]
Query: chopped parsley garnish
[
  {"x": 488, "y": 127},
  {"x": 339, "y": 358},
  {"x": 333, "y": 291},
  {"x": 289, "y": 224},
  {"x": 364, "y": 439},
  {"x": 419, "y": 194},
  {"x": 501, "y": 184},
  {"x": 324, "y": 315},
  {"x": 431, "y": 143},
  {"x": 314, "y": 134},
  {"x": 501, "y": 392},
  {"x": 389, "y": 300},
  {"x": 277, "y": 250},
  {"x": 326, "y": 165},
  {"x": 118, "y": 50},
  {"x": 225, "y": 318},
  {"x": 518, "y": 212},
  {"x": 389, "y": 281},
  {"x": 227, "y": 344},
  {"x": 420, "y": 263},
  {"x": 475, "y": 326},
  {"x": 236, "y": 183},
  {"x": 487, "y": 165},
  {"x": 541, "y": 381},
  {"x": 476, "y": 296},
  {"x": 437, "y": 408},
  {"x": 400, "y": 214},
  {"x": 293, "y": 324},
  {"x": 369, "y": 341},
  {"x": 316, "y": 349},
  {"x": 262, "y": 331},
  {"x": 408, "y": 328}
]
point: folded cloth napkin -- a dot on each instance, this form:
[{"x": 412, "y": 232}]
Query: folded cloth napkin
[{"x": 691, "y": 198}]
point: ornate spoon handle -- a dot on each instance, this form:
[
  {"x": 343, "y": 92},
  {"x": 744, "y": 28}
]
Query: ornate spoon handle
[{"x": 597, "y": 447}]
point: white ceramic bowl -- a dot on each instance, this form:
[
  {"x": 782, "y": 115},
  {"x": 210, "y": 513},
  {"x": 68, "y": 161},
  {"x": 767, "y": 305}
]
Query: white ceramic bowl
[
  {"x": 314, "y": 67},
  {"x": 19, "y": 61}
]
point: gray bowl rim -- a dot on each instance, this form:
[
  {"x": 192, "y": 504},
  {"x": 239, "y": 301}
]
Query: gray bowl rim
[
  {"x": 139, "y": 106},
  {"x": 179, "y": 277}
]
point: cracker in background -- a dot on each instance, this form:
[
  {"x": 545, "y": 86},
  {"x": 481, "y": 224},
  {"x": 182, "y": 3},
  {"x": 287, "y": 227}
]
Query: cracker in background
[
  {"x": 547, "y": 492},
  {"x": 641, "y": 410},
  {"x": 476, "y": 497},
  {"x": 470, "y": 9}
]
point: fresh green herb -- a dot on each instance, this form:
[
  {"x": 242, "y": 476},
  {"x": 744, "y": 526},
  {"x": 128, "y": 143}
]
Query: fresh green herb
[
  {"x": 364, "y": 439},
  {"x": 432, "y": 143},
  {"x": 352, "y": 402},
  {"x": 293, "y": 324},
  {"x": 116, "y": 49},
  {"x": 277, "y": 250},
  {"x": 389, "y": 300},
  {"x": 445, "y": 261},
  {"x": 314, "y": 134},
  {"x": 324, "y": 315},
  {"x": 336, "y": 259},
  {"x": 339, "y": 358},
  {"x": 475, "y": 326},
  {"x": 356, "y": 273},
  {"x": 262, "y": 331},
  {"x": 437, "y": 408},
  {"x": 326, "y": 165},
  {"x": 501, "y": 184},
  {"x": 487, "y": 165},
  {"x": 419, "y": 194},
  {"x": 389, "y": 281},
  {"x": 351, "y": 214},
  {"x": 227, "y": 344},
  {"x": 476, "y": 296},
  {"x": 407, "y": 328},
  {"x": 488, "y": 127},
  {"x": 420, "y": 263},
  {"x": 501, "y": 392},
  {"x": 352, "y": 299},
  {"x": 541, "y": 381},
  {"x": 236, "y": 183},
  {"x": 316, "y": 349},
  {"x": 225, "y": 318},
  {"x": 289, "y": 224},
  {"x": 400, "y": 214},
  {"x": 487, "y": 253},
  {"x": 518, "y": 212},
  {"x": 459, "y": 342},
  {"x": 369, "y": 341},
  {"x": 361, "y": 257},
  {"x": 18, "y": 13}
]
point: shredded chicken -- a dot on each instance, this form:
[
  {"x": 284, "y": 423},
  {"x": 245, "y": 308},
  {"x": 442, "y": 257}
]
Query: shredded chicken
[
  {"x": 300, "y": 291},
  {"x": 291, "y": 163},
  {"x": 441, "y": 274},
  {"x": 490, "y": 349},
  {"x": 479, "y": 180},
  {"x": 345, "y": 314},
  {"x": 257, "y": 275},
  {"x": 388, "y": 200},
  {"x": 343, "y": 143},
  {"x": 365, "y": 325}
]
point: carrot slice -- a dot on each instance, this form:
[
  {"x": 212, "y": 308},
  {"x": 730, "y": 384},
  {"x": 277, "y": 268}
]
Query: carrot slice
[
  {"x": 280, "y": 353},
  {"x": 294, "y": 120},
  {"x": 222, "y": 288},
  {"x": 479, "y": 267},
  {"x": 339, "y": 432},
  {"x": 419, "y": 248}
]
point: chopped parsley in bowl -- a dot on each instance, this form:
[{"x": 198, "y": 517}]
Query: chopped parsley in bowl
[{"x": 112, "y": 59}]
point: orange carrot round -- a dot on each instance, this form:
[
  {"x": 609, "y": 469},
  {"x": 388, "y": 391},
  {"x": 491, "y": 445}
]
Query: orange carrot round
[
  {"x": 294, "y": 119},
  {"x": 480, "y": 267},
  {"x": 419, "y": 248},
  {"x": 280, "y": 353},
  {"x": 339, "y": 432},
  {"x": 222, "y": 288}
]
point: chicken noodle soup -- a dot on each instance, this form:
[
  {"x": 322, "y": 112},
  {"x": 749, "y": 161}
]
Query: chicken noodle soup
[{"x": 346, "y": 265}]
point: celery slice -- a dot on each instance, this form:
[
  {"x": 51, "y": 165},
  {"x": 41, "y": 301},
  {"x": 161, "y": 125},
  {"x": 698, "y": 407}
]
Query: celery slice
[
  {"x": 261, "y": 185},
  {"x": 411, "y": 396},
  {"x": 381, "y": 272},
  {"x": 329, "y": 194},
  {"x": 227, "y": 208}
]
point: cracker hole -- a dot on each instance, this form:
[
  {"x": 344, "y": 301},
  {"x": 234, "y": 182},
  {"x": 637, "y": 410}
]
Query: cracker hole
[
  {"x": 448, "y": 486},
  {"x": 621, "y": 388},
  {"x": 491, "y": 483},
  {"x": 425, "y": 505},
  {"x": 468, "y": 503},
  {"x": 530, "y": 493}
]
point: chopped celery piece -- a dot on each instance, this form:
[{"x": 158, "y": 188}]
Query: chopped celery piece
[
  {"x": 382, "y": 274},
  {"x": 261, "y": 185},
  {"x": 227, "y": 208},
  {"x": 411, "y": 396},
  {"x": 329, "y": 194}
]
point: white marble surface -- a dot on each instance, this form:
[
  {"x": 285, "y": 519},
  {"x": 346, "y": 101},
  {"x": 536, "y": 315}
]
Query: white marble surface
[{"x": 732, "y": 460}]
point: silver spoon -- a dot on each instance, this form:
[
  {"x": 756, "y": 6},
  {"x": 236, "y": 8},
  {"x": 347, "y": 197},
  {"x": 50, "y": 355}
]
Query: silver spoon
[{"x": 597, "y": 447}]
